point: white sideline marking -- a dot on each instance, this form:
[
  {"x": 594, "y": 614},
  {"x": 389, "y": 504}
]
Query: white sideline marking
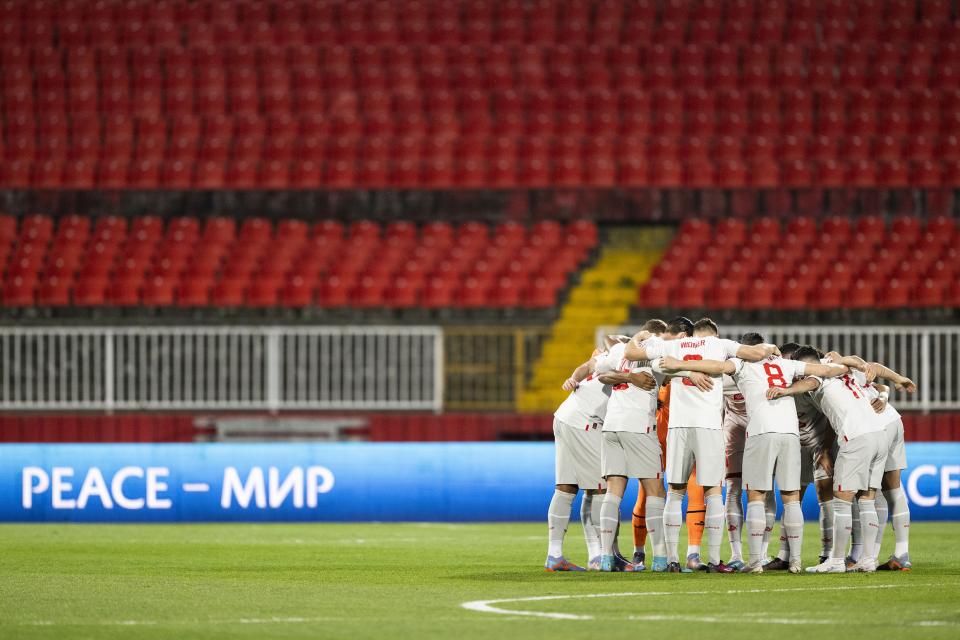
[
  {"x": 195, "y": 487},
  {"x": 730, "y": 619},
  {"x": 486, "y": 606},
  {"x": 132, "y": 623}
]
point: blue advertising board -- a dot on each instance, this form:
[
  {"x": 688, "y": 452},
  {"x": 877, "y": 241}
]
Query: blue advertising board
[{"x": 335, "y": 482}]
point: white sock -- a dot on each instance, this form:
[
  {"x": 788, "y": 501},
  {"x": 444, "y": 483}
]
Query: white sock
[
  {"x": 880, "y": 504},
  {"x": 735, "y": 518},
  {"x": 900, "y": 519},
  {"x": 591, "y": 529},
  {"x": 784, "y": 552},
  {"x": 655, "y": 525},
  {"x": 609, "y": 519},
  {"x": 868, "y": 528},
  {"x": 756, "y": 523},
  {"x": 713, "y": 527},
  {"x": 842, "y": 527},
  {"x": 770, "y": 519},
  {"x": 792, "y": 526},
  {"x": 672, "y": 519},
  {"x": 595, "y": 508},
  {"x": 856, "y": 541},
  {"x": 558, "y": 516},
  {"x": 826, "y": 528}
]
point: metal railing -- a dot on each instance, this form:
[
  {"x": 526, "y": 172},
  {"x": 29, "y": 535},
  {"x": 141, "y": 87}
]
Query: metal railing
[
  {"x": 928, "y": 355},
  {"x": 488, "y": 367},
  {"x": 364, "y": 368},
  {"x": 221, "y": 368}
]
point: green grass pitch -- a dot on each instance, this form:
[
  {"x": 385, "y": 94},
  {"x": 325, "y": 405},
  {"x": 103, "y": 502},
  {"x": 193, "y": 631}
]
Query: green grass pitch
[{"x": 411, "y": 580}]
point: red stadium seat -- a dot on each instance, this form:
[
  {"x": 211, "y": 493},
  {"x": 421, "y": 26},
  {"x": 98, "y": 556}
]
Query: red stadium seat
[{"x": 225, "y": 64}]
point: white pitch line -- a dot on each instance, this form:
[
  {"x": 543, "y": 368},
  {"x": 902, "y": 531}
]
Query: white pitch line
[
  {"x": 132, "y": 623},
  {"x": 487, "y": 606},
  {"x": 728, "y": 619}
]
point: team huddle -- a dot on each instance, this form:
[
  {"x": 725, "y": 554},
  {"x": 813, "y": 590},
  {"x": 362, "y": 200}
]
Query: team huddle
[{"x": 748, "y": 416}]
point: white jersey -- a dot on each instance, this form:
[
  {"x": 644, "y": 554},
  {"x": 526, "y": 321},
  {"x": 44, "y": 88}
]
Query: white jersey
[
  {"x": 845, "y": 404},
  {"x": 889, "y": 414},
  {"x": 689, "y": 406},
  {"x": 734, "y": 407},
  {"x": 630, "y": 408},
  {"x": 754, "y": 379},
  {"x": 814, "y": 426},
  {"x": 586, "y": 405}
]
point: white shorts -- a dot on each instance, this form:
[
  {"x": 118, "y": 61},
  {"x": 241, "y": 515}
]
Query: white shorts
[
  {"x": 769, "y": 454},
  {"x": 734, "y": 437},
  {"x": 632, "y": 455},
  {"x": 577, "y": 456},
  {"x": 896, "y": 450},
  {"x": 703, "y": 447},
  {"x": 859, "y": 462}
]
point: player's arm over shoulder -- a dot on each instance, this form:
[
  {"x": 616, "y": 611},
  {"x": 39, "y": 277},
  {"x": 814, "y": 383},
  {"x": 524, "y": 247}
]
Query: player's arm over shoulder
[
  {"x": 710, "y": 367},
  {"x": 580, "y": 373},
  {"x": 901, "y": 382},
  {"x": 752, "y": 353},
  {"x": 820, "y": 370},
  {"x": 810, "y": 383},
  {"x": 700, "y": 380},
  {"x": 638, "y": 348},
  {"x": 874, "y": 370}
]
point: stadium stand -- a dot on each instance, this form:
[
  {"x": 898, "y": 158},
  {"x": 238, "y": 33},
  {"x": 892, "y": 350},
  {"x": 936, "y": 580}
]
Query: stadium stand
[
  {"x": 437, "y": 94},
  {"x": 147, "y": 261},
  {"x": 806, "y": 264},
  {"x": 457, "y": 156}
]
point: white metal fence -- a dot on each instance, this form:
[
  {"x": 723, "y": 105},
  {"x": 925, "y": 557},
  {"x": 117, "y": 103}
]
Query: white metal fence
[
  {"x": 223, "y": 368},
  {"x": 928, "y": 355}
]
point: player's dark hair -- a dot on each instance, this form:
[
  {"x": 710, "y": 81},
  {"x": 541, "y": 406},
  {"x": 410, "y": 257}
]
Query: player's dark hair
[
  {"x": 820, "y": 353},
  {"x": 807, "y": 354},
  {"x": 680, "y": 324},
  {"x": 655, "y": 326},
  {"x": 787, "y": 349},
  {"x": 706, "y": 324},
  {"x": 751, "y": 338}
]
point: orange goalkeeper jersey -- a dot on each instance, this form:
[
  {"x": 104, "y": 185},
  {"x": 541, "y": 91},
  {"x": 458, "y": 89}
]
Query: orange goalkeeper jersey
[{"x": 663, "y": 415}]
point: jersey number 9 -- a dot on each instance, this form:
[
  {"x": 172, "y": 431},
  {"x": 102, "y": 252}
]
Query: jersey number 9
[{"x": 691, "y": 356}]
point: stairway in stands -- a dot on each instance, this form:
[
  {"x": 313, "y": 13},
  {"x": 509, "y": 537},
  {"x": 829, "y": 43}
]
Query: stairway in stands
[{"x": 601, "y": 298}]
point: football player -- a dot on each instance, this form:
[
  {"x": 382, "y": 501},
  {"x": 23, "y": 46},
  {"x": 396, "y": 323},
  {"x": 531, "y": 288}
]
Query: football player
[{"x": 695, "y": 433}]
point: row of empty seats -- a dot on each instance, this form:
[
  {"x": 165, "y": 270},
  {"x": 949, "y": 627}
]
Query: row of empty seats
[
  {"x": 148, "y": 81},
  {"x": 544, "y": 21},
  {"x": 436, "y": 94},
  {"x": 147, "y": 65},
  {"x": 809, "y": 264},
  {"x": 217, "y": 262},
  {"x": 471, "y": 173}
]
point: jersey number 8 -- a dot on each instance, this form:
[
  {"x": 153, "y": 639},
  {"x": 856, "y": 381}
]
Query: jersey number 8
[{"x": 774, "y": 375}]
